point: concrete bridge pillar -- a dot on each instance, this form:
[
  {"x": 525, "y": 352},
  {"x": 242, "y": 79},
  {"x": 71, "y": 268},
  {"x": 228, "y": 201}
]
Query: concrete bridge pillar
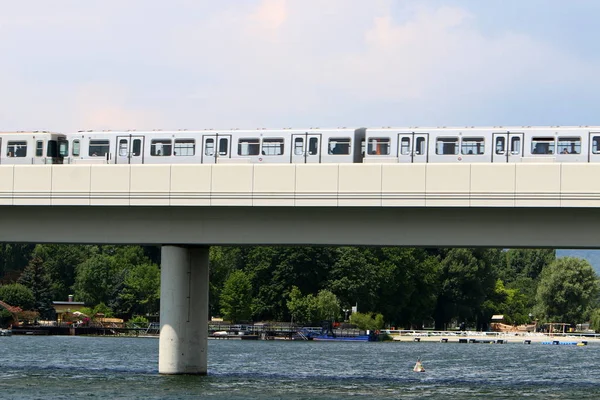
[{"x": 183, "y": 310}]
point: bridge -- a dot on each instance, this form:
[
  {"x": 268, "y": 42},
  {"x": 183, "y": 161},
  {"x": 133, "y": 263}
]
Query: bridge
[{"x": 186, "y": 208}]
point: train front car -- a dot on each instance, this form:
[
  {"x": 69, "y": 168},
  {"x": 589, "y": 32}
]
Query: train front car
[{"x": 30, "y": 148}]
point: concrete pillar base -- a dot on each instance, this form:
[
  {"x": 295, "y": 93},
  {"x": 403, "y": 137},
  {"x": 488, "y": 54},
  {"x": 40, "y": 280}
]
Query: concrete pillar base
[{"x": 183, "y": 310}]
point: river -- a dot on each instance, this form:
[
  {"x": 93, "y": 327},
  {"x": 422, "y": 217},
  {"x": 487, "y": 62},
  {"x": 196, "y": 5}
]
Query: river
[{"x": 67, "y": 367}]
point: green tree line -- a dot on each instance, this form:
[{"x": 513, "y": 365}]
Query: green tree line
[{"x": 403, "y": 287}]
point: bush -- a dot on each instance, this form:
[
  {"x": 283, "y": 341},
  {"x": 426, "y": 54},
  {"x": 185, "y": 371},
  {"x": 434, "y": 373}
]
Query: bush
[
  {"x": 367, "y": 321},
  {"x": 137, "y": 321},
  {"x": 17, "y": 295}
]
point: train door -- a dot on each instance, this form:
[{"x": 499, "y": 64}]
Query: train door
[
  {"x": 594, "y": 147},
  {"x": 507, "y": 147},
  {"x": 215, "y": 147},
  {"x": 130, "y": 150},
  {"x": 306, "y": 148},
  {"x": 412, "y": 147}
]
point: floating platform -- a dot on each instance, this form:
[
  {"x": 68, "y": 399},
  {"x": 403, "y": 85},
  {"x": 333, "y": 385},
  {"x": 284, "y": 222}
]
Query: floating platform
[
  {"x": 566, "y": 343},
  {"x": 323, "y": 338}
]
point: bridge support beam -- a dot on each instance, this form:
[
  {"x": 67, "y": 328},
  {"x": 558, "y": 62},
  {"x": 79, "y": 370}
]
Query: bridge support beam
[{"x": 183, "y": 310}]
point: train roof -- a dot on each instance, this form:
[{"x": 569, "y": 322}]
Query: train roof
[{"x": 313, "y": 129}]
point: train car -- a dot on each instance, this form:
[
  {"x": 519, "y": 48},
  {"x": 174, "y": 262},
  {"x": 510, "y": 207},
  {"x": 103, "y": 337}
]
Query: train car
[
  {"x": 210, "y": 147},
  {"x": 369, "y": 145},
  {"x": 37, "y": 147},
  {"x": 483, "y": 145}
]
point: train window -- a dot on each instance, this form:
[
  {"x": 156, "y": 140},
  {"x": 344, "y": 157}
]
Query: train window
[
  {"x": 339, "y": 146},
  {"x": 313, "y": 146},
  {"x": 248, "y": 147},
  {"x": 298, "y": 146},
  {"x": 446, "y": 145},
  {"x": 420, "y": 146},
  {"x": 500, "y": 145},
  {"x": 136, "y": 149},
  {"x": 405, "y": 146},
  {"x": 596, "y": 144},
  {"x": 185, "y": 147},
  {"x": 569, "y": 145},
  {"x": 515, "y": 145},
  {"x": 272, "y": 147},
  {"x": 98, "y": 148},
  {"x": 378, "y": 146},
  {"x": 223, "y": 146},
  {"x": 161, "y": 147},
  {"x": 472, "y": 145},
  {"x": 39, "y": 148},
  {"x": 123, "y": 147},
  {"x": 76, "y": 148},
  {"x": 209, "y": 147},
  {"x": 16, "y": 149},
  {"x": 63, "y": 148},
  {"x": 542, "y": 145}
]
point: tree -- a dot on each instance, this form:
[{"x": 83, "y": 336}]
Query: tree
[
  {"x": 410, "y": 285},
  {"x": 303, "y": 309},
  {"x": 236, "y": 297},
  {"x": 328, "y": 306},
  {"x": 36, "y": 278},
  {"x": 508, "y": 302},
  {"x": 467, "y": 278},
  {"x": 223, "y": 261},
  {"x": 526, "y": 262},
  {"x": 567, "y": 291},
  {"x": 98, "y": 279},
  {"x": 274, "y": 270},
  {"x": 521, "y": 271},
  {"x": 357, "y": 277},
  {"x": 13, "y": 258},
  {"x": 60, "y": 262},
  {"x": 141, "y": 291},
  {"x": 17, "y": 295}
]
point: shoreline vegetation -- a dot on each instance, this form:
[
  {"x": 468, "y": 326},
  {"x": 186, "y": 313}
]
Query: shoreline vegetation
[{"x": 370, "y": 288}]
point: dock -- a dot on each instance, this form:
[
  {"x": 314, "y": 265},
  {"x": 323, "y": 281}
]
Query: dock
[{"x": 494, "y": 337}]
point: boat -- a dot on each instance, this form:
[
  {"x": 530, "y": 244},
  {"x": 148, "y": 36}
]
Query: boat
[{"x": 5, "y": 332}]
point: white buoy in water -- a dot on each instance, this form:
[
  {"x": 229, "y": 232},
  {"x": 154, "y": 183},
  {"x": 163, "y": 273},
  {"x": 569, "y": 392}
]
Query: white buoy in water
[{"x": 419, "y": 367}]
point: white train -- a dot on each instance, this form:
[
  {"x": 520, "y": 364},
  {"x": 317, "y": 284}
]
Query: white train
[{"x": 362, "y": 145}]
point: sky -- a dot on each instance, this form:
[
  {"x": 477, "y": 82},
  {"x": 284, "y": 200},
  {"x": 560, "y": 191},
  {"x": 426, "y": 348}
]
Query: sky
[{"x": 196, "y": 64}]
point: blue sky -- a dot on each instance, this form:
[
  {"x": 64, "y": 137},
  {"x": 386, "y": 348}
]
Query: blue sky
[{"x": 143, "y": 64}]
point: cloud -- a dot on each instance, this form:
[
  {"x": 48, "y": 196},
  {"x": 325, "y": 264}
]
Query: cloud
[{"x": 270, "y": 15}]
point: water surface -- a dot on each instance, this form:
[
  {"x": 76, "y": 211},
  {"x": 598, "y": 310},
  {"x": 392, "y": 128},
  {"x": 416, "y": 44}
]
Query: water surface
[{"x": 65, "y": 367}]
